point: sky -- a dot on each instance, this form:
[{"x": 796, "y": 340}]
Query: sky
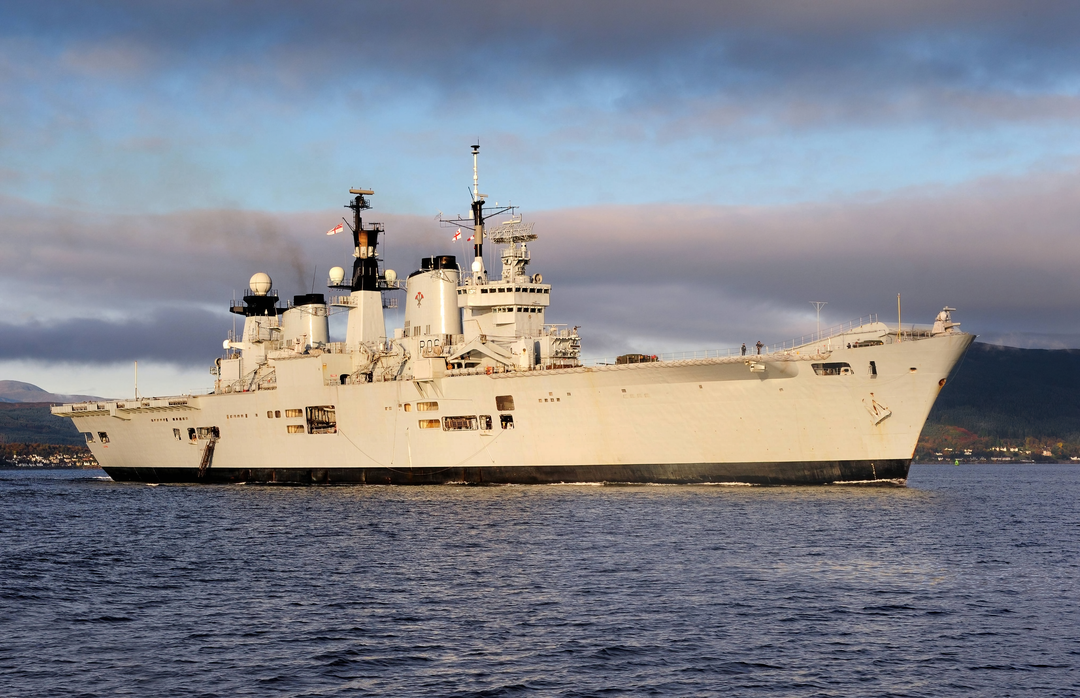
[{"x": 698, "y": 172}]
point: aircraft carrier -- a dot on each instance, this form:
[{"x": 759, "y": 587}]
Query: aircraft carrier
[{"x": 476, "y": 388}]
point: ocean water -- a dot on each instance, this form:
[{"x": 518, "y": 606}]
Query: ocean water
[{"x": 963, "y": 583}]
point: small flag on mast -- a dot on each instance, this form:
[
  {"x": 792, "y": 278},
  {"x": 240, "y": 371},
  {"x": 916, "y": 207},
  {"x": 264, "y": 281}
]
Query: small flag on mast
[
  {"x": 471, "y": 238},
  {"x": 457, "y": 235},
  {"x": 336, "y": 230}
]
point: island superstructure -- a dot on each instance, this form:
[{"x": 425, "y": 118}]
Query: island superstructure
[{"x": 476, "y": 387}]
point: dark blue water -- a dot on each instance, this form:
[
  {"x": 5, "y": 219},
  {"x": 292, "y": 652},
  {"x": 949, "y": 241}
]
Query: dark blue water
[{"x": 965, "y": 583}]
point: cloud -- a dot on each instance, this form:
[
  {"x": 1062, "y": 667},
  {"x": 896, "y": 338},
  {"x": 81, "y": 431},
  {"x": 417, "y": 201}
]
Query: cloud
[
  {"x": 800, "y": 62},
  {"x": 1003, "y": 250},
  {"x": 173, "y": 335}
]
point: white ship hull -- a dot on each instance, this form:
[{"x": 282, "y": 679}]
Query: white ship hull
[{"x": 712, "y": 421}]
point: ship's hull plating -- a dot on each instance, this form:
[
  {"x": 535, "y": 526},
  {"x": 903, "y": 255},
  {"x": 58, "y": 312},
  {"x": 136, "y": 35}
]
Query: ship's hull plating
[
  {"x": 681, "y": 422},
  {"x": 886, "y": 472}
]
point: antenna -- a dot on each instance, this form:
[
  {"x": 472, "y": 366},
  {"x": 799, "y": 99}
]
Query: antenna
[
  {"x": 475, "y": 178},
  {"x": 136, "y": 380},
  {"x": 313, "y": 272},
  {"x": 819, "y": 305},
  {"x": 898, "y": 318}
]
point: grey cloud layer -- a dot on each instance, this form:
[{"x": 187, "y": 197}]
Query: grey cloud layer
[
  {"x": 799, "y": 62},
  {"x": 1004, "y": 251},
  {"x": 175, "y": 335}
]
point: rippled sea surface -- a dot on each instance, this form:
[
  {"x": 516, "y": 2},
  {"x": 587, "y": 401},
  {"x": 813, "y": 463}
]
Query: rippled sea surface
[{"x": 964, "y": 583}]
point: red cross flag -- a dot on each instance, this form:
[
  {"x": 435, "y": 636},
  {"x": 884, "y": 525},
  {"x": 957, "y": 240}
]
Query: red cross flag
[
  {"x": 335, "y": 230},
  {"x": 457, "y": 235}
]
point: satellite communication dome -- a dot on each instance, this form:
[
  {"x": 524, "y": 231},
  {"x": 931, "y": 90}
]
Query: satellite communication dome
[
  {"x": 260, "y": 284},
  {"x": 337, "y": 275},
  {"x": 390, "y": 275}
]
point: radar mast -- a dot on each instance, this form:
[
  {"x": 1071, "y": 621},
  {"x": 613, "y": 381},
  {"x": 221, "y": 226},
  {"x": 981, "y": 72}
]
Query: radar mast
[{"x": 476, "y": 220}]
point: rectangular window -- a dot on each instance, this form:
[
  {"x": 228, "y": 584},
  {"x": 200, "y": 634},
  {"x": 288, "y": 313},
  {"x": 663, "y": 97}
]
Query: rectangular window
[
  {"x": 277, "y": 413},
  {"x": 269, "y": 414},
  {"x": 408, "y": 407},
  {"x": 295, "y": 428},
  {"x": 294, "y": 413},
  {"x": 430, "y": 424},
  {"x": 176, "y": 433},
  {"x": 463, "y": 423},
  {"x": 191, "y": 433},
  {"x": 103, "y": 437},
  {"x": 427, "y": 407},
  {"x": 207, "y": 432},
  {"x": 507, "y": 421},
  {"x": 504, "y": 403},
  {"x": 322, "y": 419},
  {"x": 89, "y": 435},
  {"x": 839, "y": 368},
  {"x": 485, "y": 422},
  {"x": 873, "y": 369}
]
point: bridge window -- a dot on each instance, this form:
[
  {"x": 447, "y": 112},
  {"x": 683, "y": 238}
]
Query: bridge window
[
  {"x": 103, "y": 437},
  {"x": 295, "y": 428},
  {"x": 485, "y": 422},
  {"x": 430, "y": 424},
  {"x": 507, "y": 421},
  {"x": 504, "y": 403},
  {"x": 294, "y": 413},
  {"x": 427, "y": 407}
]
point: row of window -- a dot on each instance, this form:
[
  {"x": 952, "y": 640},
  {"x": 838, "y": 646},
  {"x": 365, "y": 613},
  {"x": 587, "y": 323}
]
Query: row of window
[
  {"x": 422, "y": 407},
  {"x": 507, "y": 289},
  {"x": 276, "y": 414},
  {"x": 503, "y": 403},
  {"x": 520, "y": 310},
  {"x": 196, "y": 433},
  {"x": 467, "y": 422}
]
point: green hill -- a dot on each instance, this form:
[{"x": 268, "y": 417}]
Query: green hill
[
  {"x": 31, "y": 422},
  {"x": 1013, "y": 394}
]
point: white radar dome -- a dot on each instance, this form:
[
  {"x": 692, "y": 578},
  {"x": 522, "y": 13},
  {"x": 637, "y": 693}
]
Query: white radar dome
[
  {"x": 260, "y": 284},
  {"x": 390, "y": 275},
  {"x": 337, "y": 275}
]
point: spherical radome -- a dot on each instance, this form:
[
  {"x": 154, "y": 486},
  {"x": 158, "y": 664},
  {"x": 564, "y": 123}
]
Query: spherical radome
[
  {"x": 337, "y": 275},
  {"x": 260, "y": 284},
  {"x": 390, "y": 275}
]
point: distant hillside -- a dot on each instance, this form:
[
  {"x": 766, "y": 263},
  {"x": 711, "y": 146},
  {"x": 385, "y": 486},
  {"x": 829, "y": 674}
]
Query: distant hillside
[
  {"x": 32, "y": 423},
  {"x": 17, "y": 391},
  {"x": 1013, "y": 394}
]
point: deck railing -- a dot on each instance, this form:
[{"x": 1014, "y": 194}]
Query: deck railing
[{"x": 827, "y": 339}]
